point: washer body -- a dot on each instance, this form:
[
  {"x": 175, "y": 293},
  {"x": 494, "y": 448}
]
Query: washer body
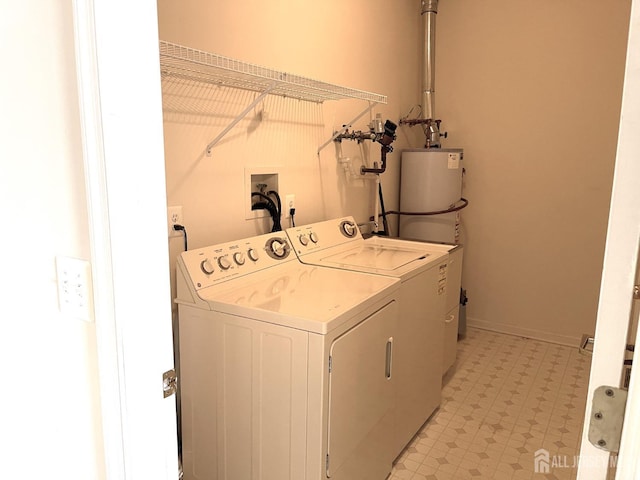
[
  {"x": 286, "y": 370},
  {"x": 422, "y": 271}
]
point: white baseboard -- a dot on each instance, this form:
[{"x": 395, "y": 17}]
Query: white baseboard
[{"x": 567, "y": 340}]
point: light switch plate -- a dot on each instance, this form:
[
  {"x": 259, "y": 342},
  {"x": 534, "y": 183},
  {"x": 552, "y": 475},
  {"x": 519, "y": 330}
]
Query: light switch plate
[{"x": 75, "y": 292}]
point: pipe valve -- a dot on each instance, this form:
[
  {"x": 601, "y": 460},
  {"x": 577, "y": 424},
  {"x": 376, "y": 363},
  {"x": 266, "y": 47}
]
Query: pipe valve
[{"x": 384, "y": 134}]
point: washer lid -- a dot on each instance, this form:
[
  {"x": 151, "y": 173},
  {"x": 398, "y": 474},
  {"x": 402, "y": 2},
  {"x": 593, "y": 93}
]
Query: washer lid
[{"x": 307, "y": 297}]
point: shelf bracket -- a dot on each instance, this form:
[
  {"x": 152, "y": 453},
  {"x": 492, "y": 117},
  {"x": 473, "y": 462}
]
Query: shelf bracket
[
  {"x": 347, "y": 126},
  {"x": 240, "y": 117}
]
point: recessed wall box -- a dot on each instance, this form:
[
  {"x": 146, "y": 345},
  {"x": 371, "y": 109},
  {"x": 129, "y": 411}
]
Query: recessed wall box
[{"x": 259, "y": 179}]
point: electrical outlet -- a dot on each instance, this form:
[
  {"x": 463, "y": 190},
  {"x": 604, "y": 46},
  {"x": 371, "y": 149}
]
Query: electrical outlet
[
  {"x": 289, "y": 203},
  {"x": 174, "y": 217},
  {"x": 74, "y": 288}
]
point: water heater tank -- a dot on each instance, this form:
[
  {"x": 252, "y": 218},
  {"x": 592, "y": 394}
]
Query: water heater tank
[{"x": 431, "y": 180}]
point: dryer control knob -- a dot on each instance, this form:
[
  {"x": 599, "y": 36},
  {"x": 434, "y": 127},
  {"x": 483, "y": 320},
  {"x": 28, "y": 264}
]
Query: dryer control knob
[
  {"x": 253, "y": 254},
  {"x": 303, "y": 240},
  {"x": 314, "y": 237},
  {"x": 206, "y": 266},
  {"x": 238, "y": 257}
]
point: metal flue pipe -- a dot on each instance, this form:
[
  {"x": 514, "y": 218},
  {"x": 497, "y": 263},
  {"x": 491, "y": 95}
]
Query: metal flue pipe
[{"x": 429, "y": 12}]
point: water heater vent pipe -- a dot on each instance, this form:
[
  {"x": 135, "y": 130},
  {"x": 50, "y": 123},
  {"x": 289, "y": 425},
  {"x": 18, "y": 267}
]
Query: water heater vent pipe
[
  {"x": 429, "y": 122},
  {"x": 429, "y": 12}
]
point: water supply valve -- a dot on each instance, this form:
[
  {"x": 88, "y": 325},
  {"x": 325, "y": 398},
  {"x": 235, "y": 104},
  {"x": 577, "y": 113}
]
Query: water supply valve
[{"x": 384, "y": 134}]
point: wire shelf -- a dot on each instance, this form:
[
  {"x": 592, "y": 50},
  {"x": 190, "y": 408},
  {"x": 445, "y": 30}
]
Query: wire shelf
[{"x": 187, "y": 63}]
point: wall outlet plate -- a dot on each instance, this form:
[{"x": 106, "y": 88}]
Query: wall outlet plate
[
  {"x": 174, "y": 217},
  {"x": 289, "y": 203}
]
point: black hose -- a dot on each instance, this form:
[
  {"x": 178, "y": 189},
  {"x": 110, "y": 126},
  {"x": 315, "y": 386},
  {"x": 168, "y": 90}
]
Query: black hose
[
  {"x": 385, "y": 224},
  {"x": 464, "y": 203},
  {"x": 279, "y": 209},
  {"x": 264, "y": 197},
  {"x": 269, "y": 205}
]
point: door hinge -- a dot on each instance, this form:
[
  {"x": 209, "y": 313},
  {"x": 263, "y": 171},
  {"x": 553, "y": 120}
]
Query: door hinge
[
  {"x": 330, "y": 363},
  {"x": 607, "y": 417},
  {"x": 326, "y": 465},
  {"x": 636, "y": 292},
  {"x": 169, "y": 383}
]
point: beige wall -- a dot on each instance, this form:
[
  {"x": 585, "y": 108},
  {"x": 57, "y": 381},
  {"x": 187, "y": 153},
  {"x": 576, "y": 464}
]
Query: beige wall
[
  {"x": 354, "y": 44},
  {"x": 530, "y": 90},
  {"x": 347, "y": 43},
  {"x": 50, "y": 400}
]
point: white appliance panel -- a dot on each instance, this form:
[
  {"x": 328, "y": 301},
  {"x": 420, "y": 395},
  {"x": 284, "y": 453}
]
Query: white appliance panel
[
  {"x": 244, "y": 395},
  {"x": 361, "y": 398},
  {"x": 450, "y": 339},
  {"x": 418, "y": 354}
]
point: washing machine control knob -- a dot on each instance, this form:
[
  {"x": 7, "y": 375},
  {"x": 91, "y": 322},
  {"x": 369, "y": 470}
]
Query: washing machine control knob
[
  {"x": 224, "y": 263},
  {"x": 278, "y": 248},
  {"x": 238, "y": 257},
  {"x": 253, "y": 254},
  {"x": 348, "y": 228},
  {"x": 303, "y": 240},
  {"x": 206, "y": 266},
  {"x": 314, "y": 237}
]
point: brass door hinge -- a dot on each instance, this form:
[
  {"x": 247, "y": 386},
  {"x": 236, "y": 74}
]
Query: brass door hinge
[{"x": 169, "y": 383}]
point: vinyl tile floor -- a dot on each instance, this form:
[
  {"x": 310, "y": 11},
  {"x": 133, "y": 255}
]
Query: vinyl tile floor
[{"x": 506, "y": 398}]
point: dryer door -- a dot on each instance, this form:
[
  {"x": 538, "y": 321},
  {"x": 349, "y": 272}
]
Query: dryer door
[{"x": 361, "y": 399}]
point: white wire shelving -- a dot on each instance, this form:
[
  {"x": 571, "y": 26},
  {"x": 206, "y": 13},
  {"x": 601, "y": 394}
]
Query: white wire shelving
[{"x": 177, "y": 61}]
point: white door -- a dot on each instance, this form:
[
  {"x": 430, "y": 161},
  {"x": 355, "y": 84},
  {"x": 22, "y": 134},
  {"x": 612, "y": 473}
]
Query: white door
[
  {"x": 121, "y": 114},
  {"x": 619, "y": 272}
]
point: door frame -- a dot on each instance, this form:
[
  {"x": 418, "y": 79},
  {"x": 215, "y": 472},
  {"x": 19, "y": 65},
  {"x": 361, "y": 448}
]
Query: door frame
[
  {"x": 618, "y": 278},
  {"x": 120, "y": 111},
  {"x": 101, "y": 26}
]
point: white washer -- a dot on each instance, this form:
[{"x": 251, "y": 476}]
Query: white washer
[
  {"x": 418, "y": 359},
  {"x": 285, "y": 369}
]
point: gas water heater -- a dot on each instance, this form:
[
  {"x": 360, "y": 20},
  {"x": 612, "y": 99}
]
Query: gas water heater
[{"x": 431, "y": 181}]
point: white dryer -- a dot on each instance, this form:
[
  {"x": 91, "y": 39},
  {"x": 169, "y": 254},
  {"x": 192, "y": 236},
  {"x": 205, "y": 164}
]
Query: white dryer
[
  {"x": 418, "y": 344},
  {"x": 286, "y": 369},
  {"x": 452, "y": 296}
]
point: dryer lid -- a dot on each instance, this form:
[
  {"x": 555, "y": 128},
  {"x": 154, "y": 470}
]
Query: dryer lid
[{"x": 385, "y": 258}]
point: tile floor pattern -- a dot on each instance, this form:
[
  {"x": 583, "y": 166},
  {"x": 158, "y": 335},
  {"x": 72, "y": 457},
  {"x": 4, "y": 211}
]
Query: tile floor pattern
[{"x": 507, "y": 397}]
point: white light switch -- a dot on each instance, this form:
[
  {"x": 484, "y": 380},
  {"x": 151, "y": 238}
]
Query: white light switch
[{"x": 74, "y": 288}]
